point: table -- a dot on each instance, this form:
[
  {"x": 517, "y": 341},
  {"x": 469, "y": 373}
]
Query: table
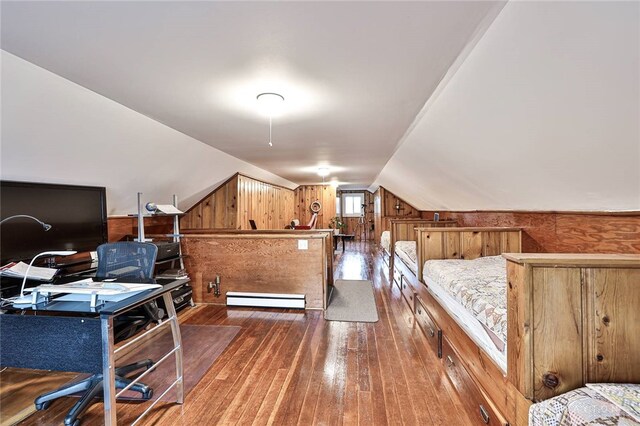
[
  {"x": 64, "y": 350},
  {"x": 342, "y": 238}
]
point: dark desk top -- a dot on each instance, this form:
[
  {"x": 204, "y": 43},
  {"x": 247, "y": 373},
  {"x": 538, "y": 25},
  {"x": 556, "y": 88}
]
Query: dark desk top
[{"x": 107, "y": 308}]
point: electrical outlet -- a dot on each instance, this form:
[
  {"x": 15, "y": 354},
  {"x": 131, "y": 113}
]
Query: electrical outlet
[{"x": 303, "y": 245}]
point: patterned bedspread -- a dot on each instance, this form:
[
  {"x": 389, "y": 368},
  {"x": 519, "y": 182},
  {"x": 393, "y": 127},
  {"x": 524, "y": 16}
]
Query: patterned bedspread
[
  {"x": 480, "y": 285},
  {"x": 596, "y": 404},
  {"x": 385, "y": 241},
  {"x": 407, "y": 251}
]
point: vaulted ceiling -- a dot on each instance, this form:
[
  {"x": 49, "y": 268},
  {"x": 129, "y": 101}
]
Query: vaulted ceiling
[
  {"x": 450, "y": 105},
  {"x": 354, "y": 74}
]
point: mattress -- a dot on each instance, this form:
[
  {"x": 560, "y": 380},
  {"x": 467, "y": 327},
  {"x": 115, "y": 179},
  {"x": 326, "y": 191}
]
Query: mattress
[
  {"x": 479, "y": 285},
  {"x": 406, "y": 250},
  {"x": 469, "y": 324},
  {"x": 385, "y": 241},
  {"x": 595, "y": 404}
]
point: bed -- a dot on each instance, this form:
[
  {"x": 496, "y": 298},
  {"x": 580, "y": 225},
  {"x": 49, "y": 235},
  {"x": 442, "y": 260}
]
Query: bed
[
  {"x": 403, "y": 267},
  {"x": 385, "y": 243},
  {"x": 594, "y": 404},
  {"x": 522, "y": 328}
]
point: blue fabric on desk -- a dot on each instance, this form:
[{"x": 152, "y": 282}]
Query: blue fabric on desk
[{"x": 51, "y": 343}]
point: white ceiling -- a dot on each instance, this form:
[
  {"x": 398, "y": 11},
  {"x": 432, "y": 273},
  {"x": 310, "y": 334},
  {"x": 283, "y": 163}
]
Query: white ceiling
[
  {"x": 354, "y": 74},
  {"x": 544, "y": 114}
]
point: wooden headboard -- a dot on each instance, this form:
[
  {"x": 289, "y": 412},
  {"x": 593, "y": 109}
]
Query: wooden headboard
[
  {"x": 465, "y": 243},
  {"x": 405, "y": 230}
]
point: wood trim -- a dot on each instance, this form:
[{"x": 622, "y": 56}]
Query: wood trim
[{"x": 575, "y": 260}]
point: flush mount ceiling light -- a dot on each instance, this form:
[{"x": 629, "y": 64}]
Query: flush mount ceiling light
[
  {"x": 323, "y": 171},
  {"x": 270, "y": 104}
]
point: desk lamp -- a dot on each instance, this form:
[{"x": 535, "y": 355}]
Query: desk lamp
[
  {"x": 46, "y": 226},
  {"x": 24, "y": 299}
]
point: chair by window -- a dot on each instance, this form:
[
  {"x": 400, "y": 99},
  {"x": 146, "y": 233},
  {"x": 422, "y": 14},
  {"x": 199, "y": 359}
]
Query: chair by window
[{"x": 132, "y": 261}]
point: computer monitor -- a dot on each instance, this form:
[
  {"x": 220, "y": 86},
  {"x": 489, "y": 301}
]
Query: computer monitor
[{"x": 77, "y": 215}]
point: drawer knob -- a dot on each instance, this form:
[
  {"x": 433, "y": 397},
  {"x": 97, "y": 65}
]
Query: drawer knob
[
  {"x": 550, "y": 380},
  {"x": 450, "y": 362},
  {"x": 432, "y": 332},
  {"x": 484, "y": 414}
]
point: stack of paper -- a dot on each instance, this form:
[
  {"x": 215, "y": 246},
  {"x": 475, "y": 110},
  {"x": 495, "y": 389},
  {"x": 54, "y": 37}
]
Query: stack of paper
[{"x": 18, "y": 270}]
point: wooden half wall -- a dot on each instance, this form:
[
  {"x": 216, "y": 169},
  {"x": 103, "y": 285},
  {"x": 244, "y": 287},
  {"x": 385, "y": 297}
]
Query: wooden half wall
[{"x": 232, "y": 204}]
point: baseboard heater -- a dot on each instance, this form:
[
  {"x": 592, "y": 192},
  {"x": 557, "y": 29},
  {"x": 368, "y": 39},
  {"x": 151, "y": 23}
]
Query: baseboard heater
[{"x": 266, "y": 300}]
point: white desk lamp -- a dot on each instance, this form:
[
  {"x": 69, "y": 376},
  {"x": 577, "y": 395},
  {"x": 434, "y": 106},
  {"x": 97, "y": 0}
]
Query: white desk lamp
[{"x": 24, "y": 299}]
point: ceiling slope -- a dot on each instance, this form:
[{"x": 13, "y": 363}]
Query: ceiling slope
[
  {"x": 544, "y": 114},
  {"x": 56, "y": 131},
  {"x": 354, "y": 74}
]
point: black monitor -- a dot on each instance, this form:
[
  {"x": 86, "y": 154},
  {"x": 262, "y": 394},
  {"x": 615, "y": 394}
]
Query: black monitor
[{"x": 77, "y": 215}]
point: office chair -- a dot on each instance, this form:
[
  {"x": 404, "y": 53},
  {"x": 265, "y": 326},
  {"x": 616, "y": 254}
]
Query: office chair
[{"x": 128, "y": 260}]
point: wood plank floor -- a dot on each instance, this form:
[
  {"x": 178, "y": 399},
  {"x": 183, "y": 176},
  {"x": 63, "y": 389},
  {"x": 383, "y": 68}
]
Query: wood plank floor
[{"x": 288, "y": 367}]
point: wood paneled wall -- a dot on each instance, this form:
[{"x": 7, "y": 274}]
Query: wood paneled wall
[
  {"x": 232, "y": 204},
  {"x": 385, "y": 202},
  {"x": 307, "y": 194},
  {"x": 119, "y": 228},
  {"x": 558, "y": 232},
  {"x": 365, "y": 230},
  {"x": 266, "y": 262},
  {"x": 269, "y": 205},
  {"x": 217, "y": 210}
]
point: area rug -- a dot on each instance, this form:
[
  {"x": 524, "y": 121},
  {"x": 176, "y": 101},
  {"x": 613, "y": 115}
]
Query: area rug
[{"x": 352, "y": 301}]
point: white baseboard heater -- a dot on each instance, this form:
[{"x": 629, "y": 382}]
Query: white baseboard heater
[{"x": 266, "y": 300}]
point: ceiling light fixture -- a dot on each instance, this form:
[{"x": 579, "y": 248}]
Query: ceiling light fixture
[
  {"x": 270, "y": 104},
  {"x": 323, "y": 171}
]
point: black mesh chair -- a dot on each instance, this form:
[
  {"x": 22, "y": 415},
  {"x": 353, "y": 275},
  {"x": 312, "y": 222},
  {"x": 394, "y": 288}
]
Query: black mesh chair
[{"x": 132, "y": 261}]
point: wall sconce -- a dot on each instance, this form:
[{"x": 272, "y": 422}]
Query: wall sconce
[{"x": 397, "y": 206}]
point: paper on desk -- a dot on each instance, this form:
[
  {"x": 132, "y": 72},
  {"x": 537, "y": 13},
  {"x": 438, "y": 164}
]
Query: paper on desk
[
  {"x": 167, "y": 209},
  {"x": 18, "y": 270},
  {"x": 88, "y": 286}
]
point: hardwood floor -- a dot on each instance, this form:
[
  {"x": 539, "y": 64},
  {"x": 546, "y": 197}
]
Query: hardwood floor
[{"x": 288, "y": 367}]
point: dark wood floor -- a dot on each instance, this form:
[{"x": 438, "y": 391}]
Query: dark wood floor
[{"x": 291, "y": 367}]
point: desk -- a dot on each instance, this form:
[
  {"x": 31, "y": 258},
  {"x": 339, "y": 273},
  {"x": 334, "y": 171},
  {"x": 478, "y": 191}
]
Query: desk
[
  {"x": 342, "y": 238},
  {"x": 91, "y": 331}
]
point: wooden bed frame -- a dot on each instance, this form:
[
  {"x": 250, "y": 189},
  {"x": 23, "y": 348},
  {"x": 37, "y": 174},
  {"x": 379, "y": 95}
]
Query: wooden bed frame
[
  {"x": 400, "y": 272},
  {"x": 572, "y": 319}
]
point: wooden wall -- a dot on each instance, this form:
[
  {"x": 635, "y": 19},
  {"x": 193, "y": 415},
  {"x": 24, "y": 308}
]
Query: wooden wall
[
  {"x": 119, "y": 228},
  {"x": 267, "y": 262},
  {"x": 361, "y": 231},
  {"x": 217, "y": 210},
  {"x": 271, "y": 206},
  {"x": 384, "y": 202},
  {"x": 307, "y": 194},
  {"x": 232, "y": 204},
  {"x": 556, "y": 232}
]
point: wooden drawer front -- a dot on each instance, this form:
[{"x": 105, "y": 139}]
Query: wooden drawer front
[
  {"x": 428, "y": 325},
  {"x": 478, "y": 407},
  {"x": 407, "y": 292},
  {"x": 397, "y": 276}
]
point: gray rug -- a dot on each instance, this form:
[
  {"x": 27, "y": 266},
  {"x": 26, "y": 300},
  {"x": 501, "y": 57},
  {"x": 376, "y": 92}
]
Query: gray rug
[{"x": 352, "y": 301}]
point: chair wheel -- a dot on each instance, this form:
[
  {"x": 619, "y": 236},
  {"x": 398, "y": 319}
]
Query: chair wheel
[
  {"x": 43, "y": 406},
  {"x": 76, "y": 423},
  {"x": 148, "y": 394}
]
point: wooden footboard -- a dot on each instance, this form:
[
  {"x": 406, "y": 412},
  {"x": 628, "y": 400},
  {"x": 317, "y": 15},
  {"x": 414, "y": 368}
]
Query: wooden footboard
[
  {"x": 405, "y": 230},
  {"x": 572, "y": 319}
]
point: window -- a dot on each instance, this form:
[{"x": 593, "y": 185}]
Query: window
[{"x": 351, "y": 205}]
